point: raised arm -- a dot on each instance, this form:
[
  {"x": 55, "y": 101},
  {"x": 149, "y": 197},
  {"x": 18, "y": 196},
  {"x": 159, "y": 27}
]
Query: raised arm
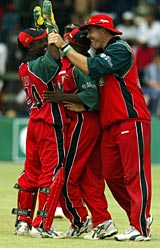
[
  {"x": 52, "y": 48},
  {"x": 77, "y": 59}
]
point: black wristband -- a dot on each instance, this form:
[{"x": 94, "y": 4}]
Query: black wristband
[
  {"x": 66, "y": 49},
  {"x": 62, "y": 48}
]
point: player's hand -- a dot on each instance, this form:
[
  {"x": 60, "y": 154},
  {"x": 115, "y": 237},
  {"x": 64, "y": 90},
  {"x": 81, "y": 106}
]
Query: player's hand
[
  {"x": 53, "y": 96},
  {"x": 58, "y": 40},
  {"x": 74, "y": 106},
  {"x": 51, "y": 38}
]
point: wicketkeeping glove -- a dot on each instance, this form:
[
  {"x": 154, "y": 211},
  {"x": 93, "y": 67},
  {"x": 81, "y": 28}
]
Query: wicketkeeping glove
[
  {"x": 44, "y": 17},
  {"x": 48, "y": 17},
  {"x": 38, "y": 19}
]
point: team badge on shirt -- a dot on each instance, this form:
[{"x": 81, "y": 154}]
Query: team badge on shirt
[
  {"x": 25, "y": 80},
  {"x": 101, "y": 81}
]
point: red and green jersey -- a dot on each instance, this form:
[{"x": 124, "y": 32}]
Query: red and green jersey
[
  {"x": 121, "y": 96},
  {"x": 36, "y": 76},
  {"x": 71, "y": 80}
]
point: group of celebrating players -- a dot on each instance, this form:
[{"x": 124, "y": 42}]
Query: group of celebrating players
[{"x": 89, "y": 125}]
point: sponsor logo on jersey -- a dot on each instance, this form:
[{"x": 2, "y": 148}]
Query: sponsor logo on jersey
[
  {"x": 66, "y": 76},
  {"x": 138, "y": 83},
  {"x": 107, "y": 58},
  {"x": 25, "y": 80},
  {"x": 123, "y": 132},
  {"x": 101, "y": 81}
]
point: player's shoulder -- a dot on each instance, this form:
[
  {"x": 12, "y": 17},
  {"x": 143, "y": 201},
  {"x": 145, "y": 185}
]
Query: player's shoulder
[{"x": 120, "y": 44}]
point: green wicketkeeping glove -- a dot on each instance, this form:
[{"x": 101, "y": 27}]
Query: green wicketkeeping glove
[
  {"x": 48, "y": 16},
  {"x": 38, "y": 19}
]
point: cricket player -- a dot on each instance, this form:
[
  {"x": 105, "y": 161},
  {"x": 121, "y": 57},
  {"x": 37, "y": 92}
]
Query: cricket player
[
  {"x": 84, "y": 181},
  {"x": 45, "y": 142}
]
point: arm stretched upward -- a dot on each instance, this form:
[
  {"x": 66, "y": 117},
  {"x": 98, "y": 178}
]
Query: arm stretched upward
[{"x": 77, "y": 59}]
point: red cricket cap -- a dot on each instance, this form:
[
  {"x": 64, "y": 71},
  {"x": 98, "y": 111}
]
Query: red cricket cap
[
  {"x": 79, "y": 38},
  {"x": 103, "y": 21},
  {"x": 69, "y": 28},
  {"x": 28, "y": 35}
]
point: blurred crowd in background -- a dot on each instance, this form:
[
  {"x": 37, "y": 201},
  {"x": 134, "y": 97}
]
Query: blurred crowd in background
[{"x": 139, "y": 20}]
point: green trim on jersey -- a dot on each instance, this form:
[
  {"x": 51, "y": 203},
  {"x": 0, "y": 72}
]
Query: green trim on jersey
[
  {"x": 44, "y": 67},
  {"x": 124, "y": 43},
  {"x": 88, "y": 90},
  {"x": 117, "y": 58}
]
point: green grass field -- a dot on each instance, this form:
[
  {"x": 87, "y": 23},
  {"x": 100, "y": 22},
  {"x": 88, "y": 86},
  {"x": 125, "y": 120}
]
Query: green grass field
[{"x": 8, "y": 177}]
